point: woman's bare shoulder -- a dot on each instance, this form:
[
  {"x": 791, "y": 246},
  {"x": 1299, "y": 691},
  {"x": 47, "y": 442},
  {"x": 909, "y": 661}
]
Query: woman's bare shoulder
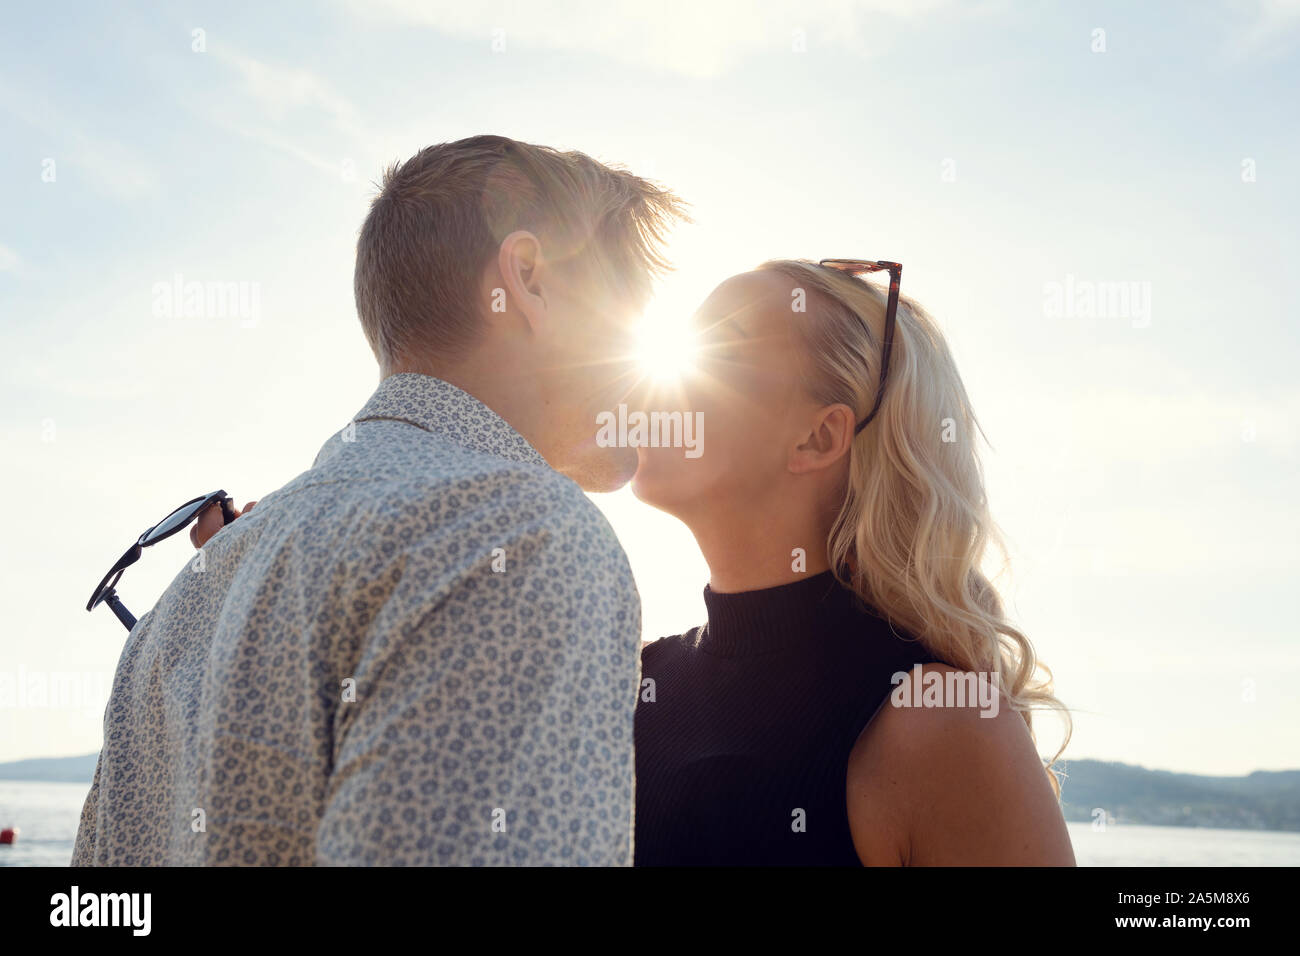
[{"x": 947, "y": 773}]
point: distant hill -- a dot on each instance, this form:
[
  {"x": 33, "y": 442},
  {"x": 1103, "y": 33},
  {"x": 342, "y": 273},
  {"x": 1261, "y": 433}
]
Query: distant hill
[
  {"x": 52, "y": 769},
  {"x": 1263, "y": 800}
]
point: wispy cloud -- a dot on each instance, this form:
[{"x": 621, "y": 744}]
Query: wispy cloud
[
  {"x": 1272, "y": 27},
  {"x": 110, "y": 166},
  {"x": 282, "y": 90},
  {"x": 9, "y": 260},
  {"x": 289, "y": 109},
  {"x": 681, "y": 36}
]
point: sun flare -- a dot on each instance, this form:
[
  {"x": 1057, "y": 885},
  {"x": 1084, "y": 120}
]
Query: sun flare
[{"x": 665, "y": 350}]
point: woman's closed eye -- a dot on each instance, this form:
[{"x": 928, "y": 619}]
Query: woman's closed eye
[
  {"x": 722, "y": 342},
  {"x": 727, "y": 349}
]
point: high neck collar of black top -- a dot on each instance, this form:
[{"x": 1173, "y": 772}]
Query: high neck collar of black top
[{"x": 748, "y": 623}]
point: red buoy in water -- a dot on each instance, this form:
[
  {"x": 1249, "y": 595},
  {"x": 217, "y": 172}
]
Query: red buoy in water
[{"x": 8, "y": 835}]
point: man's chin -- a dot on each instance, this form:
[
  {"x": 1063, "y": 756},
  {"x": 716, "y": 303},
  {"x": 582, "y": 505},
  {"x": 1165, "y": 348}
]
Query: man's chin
[{"x": 608, "y": 470}]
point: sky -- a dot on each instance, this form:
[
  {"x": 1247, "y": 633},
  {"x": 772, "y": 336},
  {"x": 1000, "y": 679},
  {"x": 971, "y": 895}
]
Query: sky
[{"x": 1024, "y": 161}]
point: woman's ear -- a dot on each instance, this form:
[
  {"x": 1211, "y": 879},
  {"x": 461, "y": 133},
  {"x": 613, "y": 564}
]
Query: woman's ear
[
  {"x": 827, "y": 440},
  {"x": 522, "y": 269}
]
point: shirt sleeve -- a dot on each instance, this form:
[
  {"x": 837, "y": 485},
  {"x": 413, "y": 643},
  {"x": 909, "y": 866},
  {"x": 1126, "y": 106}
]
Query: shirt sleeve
[{"x": 493, "y": 716}]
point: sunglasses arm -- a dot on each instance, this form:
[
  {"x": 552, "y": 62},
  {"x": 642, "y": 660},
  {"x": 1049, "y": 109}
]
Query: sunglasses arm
[{"x": 123, "y": 615}]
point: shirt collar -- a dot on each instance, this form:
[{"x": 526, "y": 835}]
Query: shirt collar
[{"x": 443, "y": 409}]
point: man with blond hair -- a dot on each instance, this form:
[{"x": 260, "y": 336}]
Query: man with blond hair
[{"x": 424, "y": 649}]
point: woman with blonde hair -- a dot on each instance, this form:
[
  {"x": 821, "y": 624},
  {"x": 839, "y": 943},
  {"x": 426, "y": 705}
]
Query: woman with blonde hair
[{"x": 857, "y": 694}]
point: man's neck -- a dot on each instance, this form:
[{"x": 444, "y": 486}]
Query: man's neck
[{"x": 507, "y": 395}]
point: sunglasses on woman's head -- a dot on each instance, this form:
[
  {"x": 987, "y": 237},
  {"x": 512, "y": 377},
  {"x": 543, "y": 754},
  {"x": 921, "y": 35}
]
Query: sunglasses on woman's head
[
  {"x": 860, "y": 267},
  {"x": 176, "y": 521}
]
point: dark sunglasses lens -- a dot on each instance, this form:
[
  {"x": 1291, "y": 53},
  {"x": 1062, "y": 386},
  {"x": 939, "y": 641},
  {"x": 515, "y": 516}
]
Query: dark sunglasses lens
[{"x": 175, "y": 521}]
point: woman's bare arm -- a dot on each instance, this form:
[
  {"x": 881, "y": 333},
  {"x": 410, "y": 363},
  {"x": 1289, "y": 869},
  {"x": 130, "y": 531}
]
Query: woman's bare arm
[{"x": 945, "y": 786}]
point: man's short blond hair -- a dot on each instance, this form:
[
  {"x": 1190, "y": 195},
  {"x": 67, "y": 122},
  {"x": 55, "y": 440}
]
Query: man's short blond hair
[{"x": 440, "y": 217}]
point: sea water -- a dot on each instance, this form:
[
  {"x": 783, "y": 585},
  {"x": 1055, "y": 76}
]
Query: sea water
[{"x": 47, "y": 814}]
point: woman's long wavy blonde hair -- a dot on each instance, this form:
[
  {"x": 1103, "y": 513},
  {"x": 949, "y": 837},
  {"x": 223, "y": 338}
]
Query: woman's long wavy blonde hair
[{"x": 911, "y": 536}]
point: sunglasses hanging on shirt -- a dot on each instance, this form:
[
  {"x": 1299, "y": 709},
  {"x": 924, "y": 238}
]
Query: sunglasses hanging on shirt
[{"x": 179, "y": 519}]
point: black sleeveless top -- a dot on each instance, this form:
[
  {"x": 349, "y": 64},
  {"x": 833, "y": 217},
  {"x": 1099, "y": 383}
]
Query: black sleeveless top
[{"x": 742, "y": 754}]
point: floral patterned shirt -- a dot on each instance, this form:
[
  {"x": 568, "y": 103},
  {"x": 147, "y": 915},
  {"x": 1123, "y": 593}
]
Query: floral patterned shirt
[{"x": 424, "y": 650}]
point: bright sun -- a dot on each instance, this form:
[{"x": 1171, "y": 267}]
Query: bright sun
[{"x": 665, "y": 349}]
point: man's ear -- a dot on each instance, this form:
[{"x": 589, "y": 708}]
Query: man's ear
[
  {"x": 524, "y": 275},
  {"x": 827, "y": 440}
]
